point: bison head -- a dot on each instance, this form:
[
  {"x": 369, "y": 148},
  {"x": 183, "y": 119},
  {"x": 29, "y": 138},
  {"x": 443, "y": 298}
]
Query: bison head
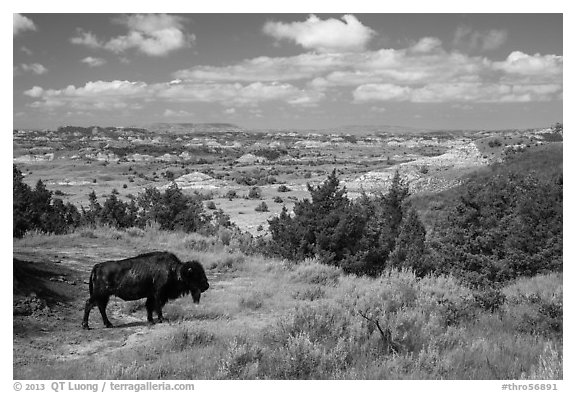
[{"x": 195, "y": 279}]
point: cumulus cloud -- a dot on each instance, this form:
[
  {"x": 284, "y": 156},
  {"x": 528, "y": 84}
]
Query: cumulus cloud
[
  {"x": 22, "y": 23},
  {"x": 26, "y": 50},
  {"x": 93, "y": 95},
  {"x": 266, "y": 69},
  {"x": 34, "y": 92},
  {"x": 426, "y": 45},
  {"x": 93, "y": 61},
  {"x": 472, "y": 40},
  {"x": 178, "y": 113},
  {"x": 238, "y": 94},
  {"x": 35, "y": 68},
  {"x": 414, "y": 73},
  {"x": 382, "y": 92},
  {"x": 423, "y": 72},
  {"x": 86, "y": 38},
  {"x": 457, "y": 92},
  {"x": 428, "y": 63},
  {"x": 125, "y": 94},
  {"x": 151, "y": 34},
  {"x": 522, "y": 64},
  {"x": 330, "y": 35}
]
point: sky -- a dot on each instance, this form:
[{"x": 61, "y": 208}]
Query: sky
[{"x": 288, "y": 71}]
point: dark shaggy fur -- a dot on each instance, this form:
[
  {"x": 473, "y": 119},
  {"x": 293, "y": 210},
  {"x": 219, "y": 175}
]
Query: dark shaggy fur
[{"x": 157, "y": 276}]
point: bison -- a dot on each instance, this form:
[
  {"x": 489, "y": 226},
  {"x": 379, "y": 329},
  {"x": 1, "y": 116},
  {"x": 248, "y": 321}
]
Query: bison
[{"x": 157, "y": 276}]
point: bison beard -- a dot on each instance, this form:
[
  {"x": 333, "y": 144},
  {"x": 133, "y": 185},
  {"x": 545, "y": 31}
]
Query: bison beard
[{"x": 157, "y": 276}]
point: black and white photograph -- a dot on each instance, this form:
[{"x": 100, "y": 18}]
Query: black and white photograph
[{"x": 367, "y": 196}]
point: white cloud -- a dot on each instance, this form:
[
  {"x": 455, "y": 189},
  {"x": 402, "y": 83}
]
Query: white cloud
[
  {"x": 180, "y": 113},
  {"x": 93, "y": 61},
  {"x": 415, "y": 73},
  {"x": 457, "y": 92},
  {"x": 86, "y": 38},
  {"x": 35, "y": 92},
  {"x": 267, "y": 69},
  {"x": 94, "y": 95},
  {"x": 230, "y": 111},
  {"x": 126, "y": 94},
  {"x": 22, "y": 23},
  {"x": 238, "y": 94},
  {"x": 472, "y": 40},
  {"x": 523, "y": 64},
  {"x": 422, "y": 72},
  {"x": 494, "y": 39},
  {"x": 426, "y": 45},
  {"x": 151, "y": 34},
  {"x": 347, "y": 69},
  {"x": 26, "y": 50},
  {"x": 330, "y": 35},
  {"x": 381, "y": 92},
  {"x": 35, "y": 68}
]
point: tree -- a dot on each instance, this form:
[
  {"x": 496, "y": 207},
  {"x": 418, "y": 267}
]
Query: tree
[
  {"x": 35, "y": 209},
  {"x": 114, "y": 212},
  {"x": 382, "y": 215},
  {"x": 326, "y": 225},
  {"x": 410, "y": 248},
  {"x": 93, "y": 214},
  {"x": 507, "y": 226},
  {"x": 149, "y": 205},
  {"x": 21, "y": 202}
]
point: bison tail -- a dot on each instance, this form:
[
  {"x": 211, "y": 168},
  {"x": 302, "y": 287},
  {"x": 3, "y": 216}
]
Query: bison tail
[{"x": 91, "y": 281}]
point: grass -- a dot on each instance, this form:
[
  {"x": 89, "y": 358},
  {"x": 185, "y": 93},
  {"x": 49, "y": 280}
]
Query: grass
[{"x": 267, "y": 319}]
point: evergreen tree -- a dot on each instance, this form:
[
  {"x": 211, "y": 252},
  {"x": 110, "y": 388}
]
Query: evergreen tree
[
  {"x": 410, "y": 248},
  {"x": 382, "y": 216},
  {"x": 21, "y": 202},
  {"x": 508, "y": 226},
  {"x": 324, "y": 226},
  {"x": 114, "y": 212}
]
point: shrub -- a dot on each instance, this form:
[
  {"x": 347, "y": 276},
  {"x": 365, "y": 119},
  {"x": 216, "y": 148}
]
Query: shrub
[
  {"x": 313, "y": 272},
  {"x": 489, "y": 299},
  {"x": 495, "y": 143},
  {"x": 251, "y": 301},
  {"x": 310, "y": 293},
  {"x": 255, "y": 193},
  {"x": 226, "y": 262},
  {"x": 263, "y": 207},
  {"x": 225, "y": 235},
  {"x": 199, "y": 243},
  {"x": 549, "y": 365},
  {"x": 277, "y": 199},
  {"x": 283, "y": 188},
  {"x": 135, "y": 232},
  {"x": 231, "y": 194},
  {"x": 211, "y": 205},
  {"x": 240, "y": 361}
]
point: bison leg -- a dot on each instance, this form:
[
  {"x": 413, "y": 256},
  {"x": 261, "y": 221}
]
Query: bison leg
[
  {"x": 102, "y": 303},
  {"x": 90, "y": 303},
  {"x": 150, "y": 308},
  {"x": 158, "y": 305}
]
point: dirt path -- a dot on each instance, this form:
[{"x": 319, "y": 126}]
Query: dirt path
[{"x": 50, "y": 289}]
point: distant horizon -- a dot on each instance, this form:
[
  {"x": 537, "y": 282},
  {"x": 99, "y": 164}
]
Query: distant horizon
[
  {"x": 336, "y": 128},
  {"x": 289, "y": 71}
]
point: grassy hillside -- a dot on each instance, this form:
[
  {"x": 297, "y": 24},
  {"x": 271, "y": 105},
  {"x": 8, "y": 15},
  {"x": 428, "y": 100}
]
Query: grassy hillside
[
  {"x": 544, "y": 162},
  {"x": 268, "y": 319}
]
